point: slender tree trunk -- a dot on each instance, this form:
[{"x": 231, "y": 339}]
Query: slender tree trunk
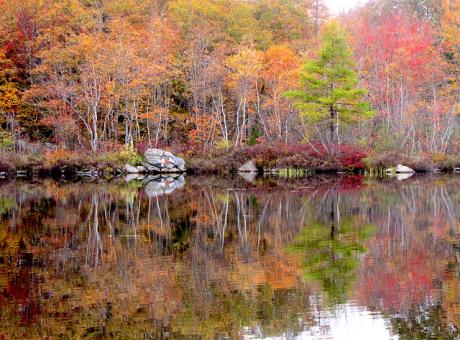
[{"x": 332, "y": 125}]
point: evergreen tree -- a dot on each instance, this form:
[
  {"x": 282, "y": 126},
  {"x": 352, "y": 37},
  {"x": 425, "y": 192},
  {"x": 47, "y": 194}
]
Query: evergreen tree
[{"x": 329, "y": 90}]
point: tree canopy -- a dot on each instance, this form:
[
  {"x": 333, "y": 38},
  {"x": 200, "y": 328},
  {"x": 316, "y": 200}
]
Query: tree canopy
[{"x": 329, "y": 85}]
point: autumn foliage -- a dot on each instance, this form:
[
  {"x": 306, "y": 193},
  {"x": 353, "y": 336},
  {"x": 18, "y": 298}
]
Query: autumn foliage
[
  {"x": 212, "y": 74},
  {"x": 281, "y": 156}
]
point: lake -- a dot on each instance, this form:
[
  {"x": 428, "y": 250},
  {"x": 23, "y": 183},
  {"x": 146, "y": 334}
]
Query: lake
[{"x": 323, "y": 257}]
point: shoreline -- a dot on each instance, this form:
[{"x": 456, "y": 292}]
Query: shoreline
[
  {"x": 77, "y": 172},
  {"x": 284, "y": 160}
]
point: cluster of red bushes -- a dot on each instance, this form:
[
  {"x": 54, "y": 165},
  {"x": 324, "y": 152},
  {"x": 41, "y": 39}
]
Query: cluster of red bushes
[{"x": 279, "y": 156}]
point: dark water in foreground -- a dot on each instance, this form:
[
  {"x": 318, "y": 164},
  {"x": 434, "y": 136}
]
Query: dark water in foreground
[{"x": 321, "y": 258}]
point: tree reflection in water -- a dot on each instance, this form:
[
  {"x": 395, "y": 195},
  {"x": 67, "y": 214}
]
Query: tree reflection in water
[
  {"x": 228, "y": 258},
  {"x": 331, "y": 256}
]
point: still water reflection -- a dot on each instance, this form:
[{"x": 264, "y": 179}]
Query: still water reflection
[{"x": 318, "y": 258}]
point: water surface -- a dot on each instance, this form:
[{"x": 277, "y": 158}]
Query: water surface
[{"x": 203, "y": 257}]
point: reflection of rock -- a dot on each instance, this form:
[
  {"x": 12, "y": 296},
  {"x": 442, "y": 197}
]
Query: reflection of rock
[
  {"x": 248, "y": 167},
  {"x": 163, "y": 185},
  {"x": 402, "y": 177},
  {"x": 248, "y": 176},
  {"x": 457, "y": 170},
  {"x": 132, "y": 169},
  {"x": 88, "y": 174},
  {"x": 134, "y": 177},
  {"x": 158, "y": 160},
  {"x": 402, "y": 169}
]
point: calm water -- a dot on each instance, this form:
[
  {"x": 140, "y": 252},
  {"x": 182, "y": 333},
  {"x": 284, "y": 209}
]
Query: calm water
[{"x": 203, "y": 257}]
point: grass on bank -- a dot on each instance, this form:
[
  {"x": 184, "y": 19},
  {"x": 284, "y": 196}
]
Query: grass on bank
[{"x": 225, "y": 160}]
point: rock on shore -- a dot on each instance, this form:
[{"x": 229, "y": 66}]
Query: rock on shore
[
  {"x": 157, "y": 160},
  {"x": 402, "y": 169},
  {"x": 248, "y": 167}
]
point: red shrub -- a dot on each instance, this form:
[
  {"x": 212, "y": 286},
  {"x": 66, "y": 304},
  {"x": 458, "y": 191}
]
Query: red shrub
[
  {"x": 312, "y": 156},
  {"x": 351, "y": 157}
]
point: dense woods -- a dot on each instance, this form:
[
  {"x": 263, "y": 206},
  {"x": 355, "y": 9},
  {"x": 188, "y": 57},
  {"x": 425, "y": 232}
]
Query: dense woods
[{"x": 200, "y": 77}]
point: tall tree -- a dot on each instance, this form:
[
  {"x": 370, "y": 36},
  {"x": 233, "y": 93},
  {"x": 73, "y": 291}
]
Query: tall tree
[
  {"x": 280, "y": 73},
  {"x": 329, "y": 92},
  {"x": 403, "y": 68},
  {"x": 9, "y": 92},
  {"x": 450, "y": 24},
  {"x": 244, "y": 78}
]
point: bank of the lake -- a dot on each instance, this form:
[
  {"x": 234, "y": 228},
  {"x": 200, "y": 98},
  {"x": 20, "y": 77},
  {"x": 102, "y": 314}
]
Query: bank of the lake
[{"x": 286, "y": 159}]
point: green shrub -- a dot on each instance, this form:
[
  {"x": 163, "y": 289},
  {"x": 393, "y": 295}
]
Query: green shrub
[
  {"x": 130, "y": 156},
  {"x": 6, "y": 142},
  {"x": 223, "y": 144}
]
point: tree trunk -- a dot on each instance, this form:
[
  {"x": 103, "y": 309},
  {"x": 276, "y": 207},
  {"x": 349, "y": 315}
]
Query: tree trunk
[{"x": 332, "y": 127}]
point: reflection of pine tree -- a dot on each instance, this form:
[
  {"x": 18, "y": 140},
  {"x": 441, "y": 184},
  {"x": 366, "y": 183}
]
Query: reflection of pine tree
[{"x": 331, "y": 253}]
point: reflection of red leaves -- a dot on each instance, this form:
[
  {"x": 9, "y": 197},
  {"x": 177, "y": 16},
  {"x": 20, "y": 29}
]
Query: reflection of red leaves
[
  {"x": 351, "y": 183},
  {"x": 398, "y": 284},
  {"x": 18, "y": 287},
  {"x": 20, "y": 290}
]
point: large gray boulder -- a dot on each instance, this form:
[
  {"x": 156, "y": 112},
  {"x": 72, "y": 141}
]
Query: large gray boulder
[{"x": 161, "y": 161}]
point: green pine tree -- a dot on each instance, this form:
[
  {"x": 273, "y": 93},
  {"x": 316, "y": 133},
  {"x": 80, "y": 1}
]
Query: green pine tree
[{"x": 329, "y": 90}]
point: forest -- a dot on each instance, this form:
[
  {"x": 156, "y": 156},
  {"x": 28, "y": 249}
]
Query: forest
[{"x": 284, "y": 82}]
